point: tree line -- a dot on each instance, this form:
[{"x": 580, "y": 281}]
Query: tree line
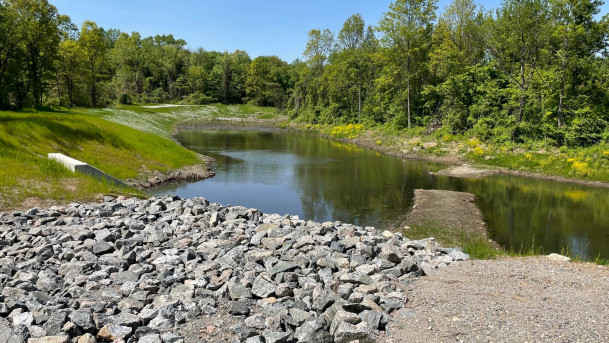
[
  {"x": 45, "y": 59},
  {"x": 529, "y": 70}
]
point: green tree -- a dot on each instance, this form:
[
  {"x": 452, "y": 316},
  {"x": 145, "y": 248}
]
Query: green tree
[
  {"x": 407, "y": 28},
  {"x": 71, "y": 67},
  {"x": 268, "y": 81},
  {"x": 92, "y": 40},
  {"x": 517, "y": 39}
]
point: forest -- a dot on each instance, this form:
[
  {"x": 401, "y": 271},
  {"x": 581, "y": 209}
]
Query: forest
[{"x": 529, "y": 70}]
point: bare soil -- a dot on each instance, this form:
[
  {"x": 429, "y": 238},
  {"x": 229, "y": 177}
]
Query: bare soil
[
  {"x": 507, "y": 300},
  {"x": 467, "y": 171},
  {"x": 446, "y": 209}
]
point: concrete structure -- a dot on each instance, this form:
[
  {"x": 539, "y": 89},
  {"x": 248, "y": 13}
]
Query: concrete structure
[{"x": 82, "y": 167}]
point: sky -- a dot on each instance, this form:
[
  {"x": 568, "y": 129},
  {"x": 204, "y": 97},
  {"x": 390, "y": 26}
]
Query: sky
[{"x": 260, "y": 27}]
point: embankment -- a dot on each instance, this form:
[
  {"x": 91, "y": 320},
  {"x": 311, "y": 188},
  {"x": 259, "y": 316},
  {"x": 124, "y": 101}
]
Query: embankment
[{"x": 171, "y": 269}]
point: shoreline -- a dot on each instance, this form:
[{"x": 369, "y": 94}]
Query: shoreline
[{"x": 449, "y": 160}]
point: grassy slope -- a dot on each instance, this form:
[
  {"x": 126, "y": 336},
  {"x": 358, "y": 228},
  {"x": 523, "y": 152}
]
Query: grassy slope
[
  {"x": 161, "y": 121},
  {"x": 125, "y": 142},
  {"x": 26, "y": 139}
]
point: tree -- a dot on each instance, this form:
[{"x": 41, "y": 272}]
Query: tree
[
  {"x": 318, "y": 48},
  {"x": 94, "y": 46},
  {"x": 351, "y": 39},
  {"x": 71, "y": 67},
  {"x": 516, "y": 40},
  {"x": 407, "y": 29},
  {"x": 268, "y": 81}
]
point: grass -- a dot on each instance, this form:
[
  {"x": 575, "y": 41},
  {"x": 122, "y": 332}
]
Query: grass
[
  {"x": 479, "y": 247},
  {"x": 475, "y": 244},
  {"x": 161, "y": 121},
  {"x": 589, "y": 163},
  {"x": 121, "y": 151}
]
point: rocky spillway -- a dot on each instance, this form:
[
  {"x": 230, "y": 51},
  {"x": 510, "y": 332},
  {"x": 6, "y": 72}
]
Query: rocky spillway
[{"x": 142, "y": 270}]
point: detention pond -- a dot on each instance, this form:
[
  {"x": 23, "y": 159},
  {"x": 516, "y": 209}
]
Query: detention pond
[{"x": 323, "y": 180}]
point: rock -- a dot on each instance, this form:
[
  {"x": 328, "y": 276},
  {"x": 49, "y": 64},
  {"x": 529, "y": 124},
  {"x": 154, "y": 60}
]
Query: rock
[
  {"x": 313, "y": 331},
  {"x": 346, "y": 333},
  {"x": 169, "y": 337},
  {"x": 111, "y": 332},
  {"x": 83, "y": 319},
  {"x": 237, "y": 291},
  {"x": 343, "y": 317},
  {"x": 154, "y": 338},
  {"x": 263, "y": 286},
  {"x": 50, "y": 339},
  {"x": 276, "y": 337},
  {"x": 555, "y": 257},
  {"x": 372, "y": 318},
  {"x": 87, "y": 338},
  {"x": 239, "y": 308},
  {"x": 23, "y": 319},
  {"x": 133, "y": 270}
]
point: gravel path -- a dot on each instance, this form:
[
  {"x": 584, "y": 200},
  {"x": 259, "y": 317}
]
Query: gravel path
[{"x": 508, "y": 300}]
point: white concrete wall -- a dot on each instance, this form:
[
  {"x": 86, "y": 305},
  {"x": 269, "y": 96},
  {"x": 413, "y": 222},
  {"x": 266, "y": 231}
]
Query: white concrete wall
[{"x": 82, "y": 167}]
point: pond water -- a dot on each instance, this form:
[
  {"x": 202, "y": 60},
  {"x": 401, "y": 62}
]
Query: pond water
[{"x": 324, "y": 180}]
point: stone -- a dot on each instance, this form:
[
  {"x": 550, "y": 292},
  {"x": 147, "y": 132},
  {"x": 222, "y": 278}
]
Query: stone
[
  {"x": 111, "y": 332},
  {"x": 102, "y": 247},
  {"x": 346, "y": 333},
  {"x": 263, "y": 286},
  {"x": 154, "y": 338},
  {"x": 314, "y": 330},
  {"x": 237, "y": 291},
  {"x": 552, "y": 257},
  {"x": 239, "y": 308},
  {"x": 83, "y": 319},
  {"x": 50, "y": 339},
  {"x": 342, "y": 316},
  {"x": 372, "y": 318},
  {"x": 87, "y": 338},
  {"x": 276, "y": 337}
]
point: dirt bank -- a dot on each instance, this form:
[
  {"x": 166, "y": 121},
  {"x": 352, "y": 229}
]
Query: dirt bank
[
  {"x": 508, "y": 300},
  {"x": 451, "y": 217},
  {"x": 189, "y": 173}
]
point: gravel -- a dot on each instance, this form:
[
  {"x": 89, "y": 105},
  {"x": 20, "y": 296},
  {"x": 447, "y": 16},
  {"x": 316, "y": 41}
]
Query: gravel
[
  {"x": 507, "y": 300},
  {"x": 171, "y": 270}
]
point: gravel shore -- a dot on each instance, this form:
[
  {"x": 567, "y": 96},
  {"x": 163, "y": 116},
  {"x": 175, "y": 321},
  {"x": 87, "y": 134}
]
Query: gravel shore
[{"x": 507, "y": 300}]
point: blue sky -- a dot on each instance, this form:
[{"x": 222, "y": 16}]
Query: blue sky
[{"x": 260, "y": 27}]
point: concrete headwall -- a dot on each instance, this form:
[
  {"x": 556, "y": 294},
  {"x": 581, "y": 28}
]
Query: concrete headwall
[{"x": 82, "y": 167}]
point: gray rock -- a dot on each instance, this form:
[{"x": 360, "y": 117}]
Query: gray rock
[
  {"x": 346, "y": 333},
  {"x": 239, "y": 308},
  {"x": 153, "y": 338},
  {"x": 263, "y": 286},
  {"x": 237, "y": 291},
  {"x": 276, "y": 337},
  {"x": 313, "y": 331}
]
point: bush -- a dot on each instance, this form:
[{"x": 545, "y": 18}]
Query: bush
[{"x": 586, "y": 129}]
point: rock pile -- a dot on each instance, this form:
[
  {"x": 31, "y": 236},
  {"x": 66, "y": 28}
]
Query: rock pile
[{"x": 129, "y": 270}]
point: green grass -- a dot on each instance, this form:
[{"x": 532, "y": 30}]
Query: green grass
[
  {"x": 161, "y": 121},
  {"x": 473, "y": 243},
  {"x": 121, "y": 151}
]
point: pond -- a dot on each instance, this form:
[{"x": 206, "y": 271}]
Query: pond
[{"x": 324, "y": 180}]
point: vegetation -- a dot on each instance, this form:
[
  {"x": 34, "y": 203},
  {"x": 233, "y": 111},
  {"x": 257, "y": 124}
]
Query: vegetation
[
  {"x": 530, "y": 71},
  {"x": 27, "y": 138}
]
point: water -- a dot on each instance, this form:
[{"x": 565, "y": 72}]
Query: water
[{"x": 323, "y": 180}]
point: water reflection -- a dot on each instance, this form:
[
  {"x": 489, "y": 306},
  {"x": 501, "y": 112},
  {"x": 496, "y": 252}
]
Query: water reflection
[{"x": 324, "y": 180}]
